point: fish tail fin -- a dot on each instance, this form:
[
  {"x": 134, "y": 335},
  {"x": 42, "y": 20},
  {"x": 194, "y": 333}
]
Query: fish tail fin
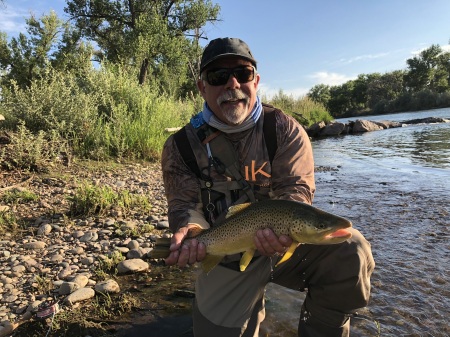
[
  {"x": 288, "y": 253},
  {"x": 210, "y": 262},
  {"x": 161, "y": 249}
]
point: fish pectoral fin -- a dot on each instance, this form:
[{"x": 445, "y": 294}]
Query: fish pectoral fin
[
  {"x": 288, "y": 253},
  {"x": 246, "y": 258},
  {"x": 210, "y": 262}
]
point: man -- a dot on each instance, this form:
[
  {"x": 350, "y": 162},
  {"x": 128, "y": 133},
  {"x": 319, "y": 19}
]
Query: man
[{"x": 229, "y": 302}]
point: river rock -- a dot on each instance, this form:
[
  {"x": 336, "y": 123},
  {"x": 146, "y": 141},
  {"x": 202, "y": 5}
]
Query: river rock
[
  {"x": 132, "y": 266},
  {"x": 65, "y": 273},
  {"x": 163, "y": 225},
  {"x": 427, "y": 120},
  {"x": 35, "y": 245},
  {"x": 87, "y": 261},
  {"x": 81, "y": 280},
  {"x": 133, "y": 244},
  {"x": 67, "y": 288},
  {"x": 314, "y": 130},
  {"x": 107, "y": 287},
  {"x": 333, "y": 129},
  {"x": 44, "y": 230},
  {"x": 79, "y": 295},
  {"x": 388, "y": 124},
  {"x": 136, "y": 253},
  {"x": 365, "y": 126},
  {"x": 89, "y": 236}
]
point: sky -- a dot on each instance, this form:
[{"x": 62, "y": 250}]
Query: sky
[{"x": 301, "y": 43}]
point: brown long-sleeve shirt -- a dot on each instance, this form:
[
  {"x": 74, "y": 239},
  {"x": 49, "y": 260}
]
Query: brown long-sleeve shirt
[{"x": 289, "y": 176}]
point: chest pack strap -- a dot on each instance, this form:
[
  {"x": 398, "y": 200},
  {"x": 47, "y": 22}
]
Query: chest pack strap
[{"x": 270, "y": 138}]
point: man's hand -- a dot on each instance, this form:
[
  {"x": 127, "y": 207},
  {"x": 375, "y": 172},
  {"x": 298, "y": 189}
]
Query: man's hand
[
  {"x": 268, "y": 244},
  {"x": 188, "y": 253}
]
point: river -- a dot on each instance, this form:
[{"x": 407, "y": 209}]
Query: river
[{"x": 394, "y": 185}]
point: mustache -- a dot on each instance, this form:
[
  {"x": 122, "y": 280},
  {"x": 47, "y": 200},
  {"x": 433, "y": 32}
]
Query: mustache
[{"x": 232, "y": 95}]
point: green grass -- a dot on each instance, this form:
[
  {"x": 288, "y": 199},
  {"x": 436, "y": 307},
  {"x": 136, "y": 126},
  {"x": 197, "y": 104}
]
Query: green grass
[
  {"x": 99, "y": 200},
  {"x": 103, "y": 115},
  {"x": 18, "y": 197}
]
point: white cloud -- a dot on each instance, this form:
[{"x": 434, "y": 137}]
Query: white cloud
[
  {"x": 445, "y": 48},
  {"x": 12, "y": 21},
  {"x": 324, "y": 77},
  {"x": 363, "y": 57}
]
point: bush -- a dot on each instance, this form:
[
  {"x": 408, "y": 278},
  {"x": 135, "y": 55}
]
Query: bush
[
  {"x": 104, "y": 113},
  {"x": 303, "y": 109},
  {"x": 33, "y": 152}
]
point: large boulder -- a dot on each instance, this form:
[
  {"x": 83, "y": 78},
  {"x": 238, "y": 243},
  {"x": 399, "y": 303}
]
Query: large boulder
[
  {"x": 365, "y": 126},
  {"x": 389, "y": 124},
  {"x": 427, "y": 120},
  {"x": 333, "y": 129},
  {"x": 315, "y": 129}
]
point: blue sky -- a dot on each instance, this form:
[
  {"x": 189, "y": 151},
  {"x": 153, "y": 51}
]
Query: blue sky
[{"x": 300, "y": 43}]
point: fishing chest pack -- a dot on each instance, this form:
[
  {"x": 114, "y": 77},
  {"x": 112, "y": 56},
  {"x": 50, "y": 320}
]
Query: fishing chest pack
[{"x": 222, "y": 156}]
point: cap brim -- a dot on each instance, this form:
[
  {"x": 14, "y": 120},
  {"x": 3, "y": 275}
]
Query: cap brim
[{"x": 253, "y": 61}]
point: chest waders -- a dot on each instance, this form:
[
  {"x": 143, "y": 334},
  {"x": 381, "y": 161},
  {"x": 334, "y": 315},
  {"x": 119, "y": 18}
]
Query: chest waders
[{"x": 221, "y": 156}]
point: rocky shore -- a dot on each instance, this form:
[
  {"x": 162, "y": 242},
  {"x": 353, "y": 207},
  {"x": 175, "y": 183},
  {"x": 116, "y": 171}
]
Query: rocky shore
[
  {"x": 59, "y": 258},
  {"x": 322, "y": 129}
]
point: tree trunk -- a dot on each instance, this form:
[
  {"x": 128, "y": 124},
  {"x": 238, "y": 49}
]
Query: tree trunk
[{"x": 143, "y": 72}]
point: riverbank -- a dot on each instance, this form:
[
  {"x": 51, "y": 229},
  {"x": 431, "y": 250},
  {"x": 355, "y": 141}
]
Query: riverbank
[
  {"x": 51, "y": 249},
  {"x": 54, "y": 256}
]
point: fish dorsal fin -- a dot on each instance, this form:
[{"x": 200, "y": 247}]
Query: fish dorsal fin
[{"x": 232, "y": 210}]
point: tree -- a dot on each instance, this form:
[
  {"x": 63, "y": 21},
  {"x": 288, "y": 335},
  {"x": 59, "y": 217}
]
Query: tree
[
  {"x": 320, "y": 93},
  {"x": 159, "y": 37},
  {"x": 385, "y": 87},
  {"x": 429, "y": 70},
  {"x": 340, "y": 99},
  {"x": 49, "y": 43}
]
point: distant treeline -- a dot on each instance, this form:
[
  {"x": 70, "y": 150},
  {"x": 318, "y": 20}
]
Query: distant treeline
[{"x": 425, "y": 84}]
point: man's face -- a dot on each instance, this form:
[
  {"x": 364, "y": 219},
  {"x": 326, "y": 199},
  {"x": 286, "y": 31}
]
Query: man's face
[{"x": 231, "y": 102}]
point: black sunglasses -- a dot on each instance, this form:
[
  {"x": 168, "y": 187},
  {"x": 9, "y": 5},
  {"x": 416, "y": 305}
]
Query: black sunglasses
[{"x": 220, "y": 76}]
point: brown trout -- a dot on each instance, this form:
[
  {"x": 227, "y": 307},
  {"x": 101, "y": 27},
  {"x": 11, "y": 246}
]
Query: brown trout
[{"x": 302, "y": 222}]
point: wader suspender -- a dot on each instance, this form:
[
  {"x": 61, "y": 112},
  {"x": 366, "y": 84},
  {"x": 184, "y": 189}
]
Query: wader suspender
[{"x": 216, "y": 143}]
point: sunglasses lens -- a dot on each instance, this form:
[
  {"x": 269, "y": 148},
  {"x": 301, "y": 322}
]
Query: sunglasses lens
[
  {"x": 244, "y": 75},
  {"x": 220, "y": 76}
]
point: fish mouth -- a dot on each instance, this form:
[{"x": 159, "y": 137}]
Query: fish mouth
[{"x": 340, "y": 234}]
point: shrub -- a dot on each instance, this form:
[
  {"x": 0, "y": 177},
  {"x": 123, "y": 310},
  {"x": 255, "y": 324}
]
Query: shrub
[
  {"x": 303, "y": 109},
  {"x": 104, "y": 113}
]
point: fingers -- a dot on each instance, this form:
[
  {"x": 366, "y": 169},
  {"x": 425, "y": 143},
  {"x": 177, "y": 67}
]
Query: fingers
[
  {"x": 190, "y": 253},
  {"x": 269, "y": 244},
  {"x": 183, "y": 252}
]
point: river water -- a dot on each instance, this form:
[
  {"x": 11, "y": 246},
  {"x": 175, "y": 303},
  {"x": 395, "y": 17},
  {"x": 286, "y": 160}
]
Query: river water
[{"x": 394, "y": 185}]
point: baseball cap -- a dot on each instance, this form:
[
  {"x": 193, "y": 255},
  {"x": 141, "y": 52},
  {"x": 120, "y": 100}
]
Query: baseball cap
[{"x": 223, "y": 47}]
